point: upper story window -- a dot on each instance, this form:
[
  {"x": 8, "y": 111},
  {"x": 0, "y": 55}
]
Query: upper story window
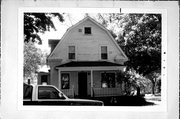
[
  {"x": 104, "y": 54},
  {"x": 71, "y": 54},
  {"x": 87, "y": 30}
]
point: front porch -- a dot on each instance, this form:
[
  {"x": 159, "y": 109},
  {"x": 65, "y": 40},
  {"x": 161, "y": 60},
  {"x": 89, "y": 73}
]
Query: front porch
[
  {"x": 96, "y": 92},
  {"x": 89, "y": 80}
]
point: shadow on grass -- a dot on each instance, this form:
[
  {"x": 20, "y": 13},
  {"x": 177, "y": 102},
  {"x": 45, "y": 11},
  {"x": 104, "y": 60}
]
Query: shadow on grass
[{"x": 124, "y": 101}]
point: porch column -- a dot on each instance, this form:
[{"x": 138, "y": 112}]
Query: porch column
[
  {"x": 91, "y": 83},
  {"x": 59, "y": 72}
]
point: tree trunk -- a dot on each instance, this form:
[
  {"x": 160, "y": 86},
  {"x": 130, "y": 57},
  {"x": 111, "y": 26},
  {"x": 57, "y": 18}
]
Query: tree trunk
[
  {"x": 153, "y": 88},
  {"x": 138, "y": 90}
]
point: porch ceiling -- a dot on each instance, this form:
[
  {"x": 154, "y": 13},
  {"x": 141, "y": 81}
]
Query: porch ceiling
[{"x": 88, "y": 64}]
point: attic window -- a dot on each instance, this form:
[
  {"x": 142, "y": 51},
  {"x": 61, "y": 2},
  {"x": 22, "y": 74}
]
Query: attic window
[{"x": 87, "y": 30}]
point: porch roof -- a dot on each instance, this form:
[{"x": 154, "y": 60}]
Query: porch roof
[{"x": 88, "y": 64}]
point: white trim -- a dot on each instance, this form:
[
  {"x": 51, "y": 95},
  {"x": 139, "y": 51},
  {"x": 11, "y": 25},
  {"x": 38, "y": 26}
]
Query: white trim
[
  {"x": 75, "y": 47},
  {"x": 84, "y": 30},
  {"x": 101, "y": 53},
  {"x": 66, "y": 33},
  {"x": 106, "y": 68},
  {"x": 66, "y": 72},
  {"x": 107, "y": 73},
  {"x": 98, "y": 24},
  {"x": 92, "y": 83},
  {"x": 126, "y": 58},
  {"x": 59, "y": 83}
]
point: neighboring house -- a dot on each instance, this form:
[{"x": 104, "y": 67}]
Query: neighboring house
[
  {"x": 44, "y": 75},
  {"x": 85, "y": 61},
  {"x": 43, "y": 78}
]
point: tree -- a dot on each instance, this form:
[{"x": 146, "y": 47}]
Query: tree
[
  {"x": 125, "y": 78},
  {"x": 155, "y": 78},
  {"x": 35, "y": 23},
  {"x": 32, "y": 60},
  {"x": 133, "y": 82},
  {"x": 140, "y": 38},
  {"x": 142, "y": 42}
]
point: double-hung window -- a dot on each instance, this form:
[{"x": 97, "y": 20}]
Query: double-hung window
[
  {"x": 104, "y": 53},
  {"x": 71, "y": 52},
  {"x": 108, "y": 80}
]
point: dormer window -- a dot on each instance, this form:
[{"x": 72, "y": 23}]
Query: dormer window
[
  {"x": 72, "y": 52},
  {"x": 87, "y": 30}
]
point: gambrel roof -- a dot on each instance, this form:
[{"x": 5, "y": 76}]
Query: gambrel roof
[{"x": 100, "y": 26}]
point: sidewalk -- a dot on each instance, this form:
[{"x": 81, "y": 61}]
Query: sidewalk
[{"x": 154, "y": 99}]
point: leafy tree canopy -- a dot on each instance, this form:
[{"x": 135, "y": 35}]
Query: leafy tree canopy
[
  {"x": 142, "y": 42},
  {"x": 33, "y": 58},
  {"x": 35, "y": 23},
  {"x": 139, "y": 36}
]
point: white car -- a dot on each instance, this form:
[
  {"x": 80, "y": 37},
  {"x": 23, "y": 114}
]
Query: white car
[{"x": 50, "y": 95}]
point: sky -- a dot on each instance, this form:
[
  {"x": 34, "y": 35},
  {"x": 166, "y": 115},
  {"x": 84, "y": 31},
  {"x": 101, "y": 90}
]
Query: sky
[{"x": 61, "y": 27}]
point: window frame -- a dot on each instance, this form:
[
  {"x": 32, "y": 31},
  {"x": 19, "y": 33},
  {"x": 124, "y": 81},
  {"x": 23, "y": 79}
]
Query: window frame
[
  {"x": 44, "y": 79},
  {"x": 66, "y": 81},
  {"x": 108, "y": 82},
  {"x": 104, "y": 53},
  {"x": 74, "y": 53},
  {"x": 85, "y": 30}
]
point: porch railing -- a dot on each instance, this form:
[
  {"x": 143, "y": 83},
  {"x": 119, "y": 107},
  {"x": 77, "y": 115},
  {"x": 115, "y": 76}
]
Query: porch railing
[
  {"x": 102, "y": 92},
  {"x": 97, "y": 92}
]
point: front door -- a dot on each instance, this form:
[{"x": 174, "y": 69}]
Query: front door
[{"x": 82, "y": 84}]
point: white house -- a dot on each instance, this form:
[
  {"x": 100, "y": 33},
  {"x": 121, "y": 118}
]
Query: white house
[{"x": 85, "y": 61}]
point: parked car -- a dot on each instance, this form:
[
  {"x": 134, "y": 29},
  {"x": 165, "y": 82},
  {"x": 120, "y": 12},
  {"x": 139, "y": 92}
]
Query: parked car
[{"x": 50, "y": 95}]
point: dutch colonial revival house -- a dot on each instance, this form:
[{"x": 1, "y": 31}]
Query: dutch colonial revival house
[{"x": 85, "y": 61}]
